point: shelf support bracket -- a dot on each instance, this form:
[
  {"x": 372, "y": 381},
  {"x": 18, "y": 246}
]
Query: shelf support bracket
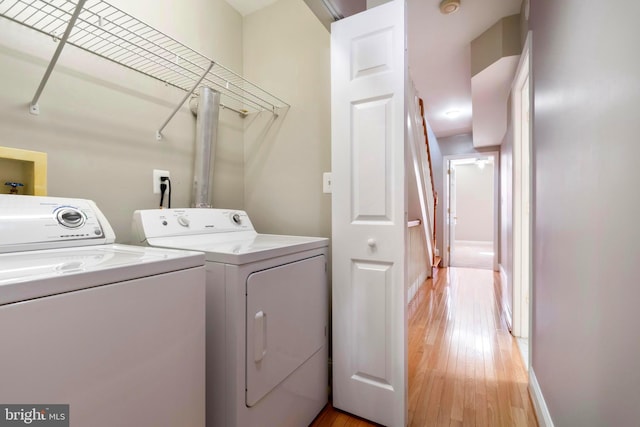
[
  {"x": 166, "y": 122},
  {"x": 33, "y": 107},
  {"x": 242, "y": 113}
]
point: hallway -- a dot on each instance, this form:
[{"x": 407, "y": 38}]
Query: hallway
[{"x": 464, "y": 366}]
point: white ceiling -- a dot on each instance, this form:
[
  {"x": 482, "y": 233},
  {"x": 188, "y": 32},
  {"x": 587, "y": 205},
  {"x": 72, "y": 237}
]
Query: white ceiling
[
  {"x": 439, "y": 52},
  {"x": 439, "y": 56},
  {"x": 245, "y": 7}
]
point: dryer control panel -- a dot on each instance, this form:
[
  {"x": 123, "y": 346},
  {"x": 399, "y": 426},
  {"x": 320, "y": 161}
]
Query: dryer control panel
[
  {"x": 35, "y": 222},
  {"x": 154, "y": 223}
]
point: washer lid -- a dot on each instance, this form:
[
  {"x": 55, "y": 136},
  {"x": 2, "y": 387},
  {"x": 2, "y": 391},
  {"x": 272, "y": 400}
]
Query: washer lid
[
  {"x": 34, "y": 274},
  {"x": 250, "y": 248}
]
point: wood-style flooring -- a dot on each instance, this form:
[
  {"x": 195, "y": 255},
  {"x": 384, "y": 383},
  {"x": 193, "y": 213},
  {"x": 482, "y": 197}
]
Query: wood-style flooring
[{"x": 464, "y": 366}]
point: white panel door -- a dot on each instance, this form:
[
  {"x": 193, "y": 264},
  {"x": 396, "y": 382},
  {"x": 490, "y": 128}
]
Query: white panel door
[{"x": 368, "y": 67}]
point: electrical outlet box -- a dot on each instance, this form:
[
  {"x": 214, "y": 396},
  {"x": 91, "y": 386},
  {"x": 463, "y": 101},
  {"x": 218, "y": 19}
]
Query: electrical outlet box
[
  {"x": 326, "y": 182},
  {"x": 157, "y": 173}
]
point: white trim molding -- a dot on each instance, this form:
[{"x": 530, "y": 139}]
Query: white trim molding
[
  {"x": 506, "y": 310},
  {"x": 522, "y": 200},
  {"x": 539, "y": 405}
]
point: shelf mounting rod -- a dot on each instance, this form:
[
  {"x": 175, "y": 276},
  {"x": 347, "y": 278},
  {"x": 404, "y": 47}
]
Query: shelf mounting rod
[
  {"x": 166, "y": 122},
  {"x": 33, "y": 107}
]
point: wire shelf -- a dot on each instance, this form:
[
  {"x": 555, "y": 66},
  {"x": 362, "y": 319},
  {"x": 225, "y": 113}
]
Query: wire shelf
[{"x": 107, "y": 31}]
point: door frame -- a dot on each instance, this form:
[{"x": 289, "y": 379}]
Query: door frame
[
  {"x": 446, "y": 187},
  {"x": 522, "y": 292}
]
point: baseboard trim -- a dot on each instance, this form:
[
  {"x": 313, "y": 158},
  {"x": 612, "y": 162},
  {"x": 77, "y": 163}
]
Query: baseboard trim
[
  {"x": 506, "y": 310},
  {"x": 415, "y": 286},
  {"x": 539, "y": 405}
]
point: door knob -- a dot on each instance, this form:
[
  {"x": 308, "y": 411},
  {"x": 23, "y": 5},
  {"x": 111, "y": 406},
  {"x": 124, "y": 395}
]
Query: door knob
[{"x": 371, "y": 242}]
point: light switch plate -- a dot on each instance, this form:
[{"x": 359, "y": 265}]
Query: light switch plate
[{"x": 326, "y": 182}]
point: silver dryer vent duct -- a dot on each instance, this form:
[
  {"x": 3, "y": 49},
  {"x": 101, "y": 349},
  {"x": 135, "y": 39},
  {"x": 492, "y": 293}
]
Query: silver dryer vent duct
[{"x": 208, "y": 112}]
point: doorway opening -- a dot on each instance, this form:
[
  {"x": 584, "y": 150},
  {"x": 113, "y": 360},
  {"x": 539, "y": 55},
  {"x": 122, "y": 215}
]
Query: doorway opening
[{"x": 470, "y": 211}]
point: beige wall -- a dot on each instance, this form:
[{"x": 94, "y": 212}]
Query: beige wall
[
  {"x": 585, "y": 336},
  {"x": 286, "y": 49},
  {"x": 500, "y": 40},
  {"x": 525, "y": 9},
  {"x": 98, "y": 120}
]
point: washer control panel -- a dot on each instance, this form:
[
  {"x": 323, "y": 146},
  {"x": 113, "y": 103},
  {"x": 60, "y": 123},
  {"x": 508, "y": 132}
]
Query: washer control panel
[
  {"x": 177, "y": 222},
  {"x": 49, "y": 222}
]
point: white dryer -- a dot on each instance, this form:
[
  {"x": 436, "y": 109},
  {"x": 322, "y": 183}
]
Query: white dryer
[
  {"x": 114, "y": 331},
  {"x": 267, "y": 315}
]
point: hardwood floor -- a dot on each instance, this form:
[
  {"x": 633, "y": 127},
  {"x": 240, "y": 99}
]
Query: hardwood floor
[{"x": 464, "y": 366}]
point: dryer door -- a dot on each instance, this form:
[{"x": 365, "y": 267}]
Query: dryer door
[{"x": 287, "y": 311}]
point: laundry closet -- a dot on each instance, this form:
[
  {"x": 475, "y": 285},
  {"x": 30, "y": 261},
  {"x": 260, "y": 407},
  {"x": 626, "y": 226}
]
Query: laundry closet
[
  {"x": 98, "y": 120},
  {"x": 103, "y": 111}
]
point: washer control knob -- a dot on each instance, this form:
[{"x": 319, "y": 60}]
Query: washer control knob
[
  {"x": 70, "y": 217},
  {"x": 236, "y": 218},
  {"x": 183, "y": 221}
]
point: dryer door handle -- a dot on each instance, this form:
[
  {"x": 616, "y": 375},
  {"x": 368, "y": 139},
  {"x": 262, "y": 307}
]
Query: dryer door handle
[{"x": 259, "y": 336}]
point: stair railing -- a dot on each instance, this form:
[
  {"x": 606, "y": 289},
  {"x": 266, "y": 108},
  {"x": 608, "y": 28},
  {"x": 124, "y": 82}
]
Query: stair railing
[{"x": 434, "y": 205}]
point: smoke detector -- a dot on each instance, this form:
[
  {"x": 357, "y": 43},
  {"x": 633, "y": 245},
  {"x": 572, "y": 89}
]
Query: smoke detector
[{"x": 448, "y": 7}]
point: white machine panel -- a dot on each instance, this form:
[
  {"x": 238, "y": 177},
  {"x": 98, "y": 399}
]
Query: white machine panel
[
  {"x": 32, "y": 222},
  {"x": 286, "y": 322},
  {"x": 126, "y": 354},
  {"x": 162, "y": 223},
  {"x": 34, "y": 274},
  {"x": 217, "y": 233},
  {"x": 267, "y": 314},
  {"x": 116, "y": 332}
]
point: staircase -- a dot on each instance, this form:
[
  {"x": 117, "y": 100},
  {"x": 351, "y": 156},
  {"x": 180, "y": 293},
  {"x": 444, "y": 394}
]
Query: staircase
[
  {"x": 423, "y": 198},
  {"x": 437, "y": 259}
]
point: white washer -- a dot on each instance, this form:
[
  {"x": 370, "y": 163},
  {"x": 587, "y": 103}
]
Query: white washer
[
  {"x": 267, "y": 314},
  {"x": 115, "y": 331}
]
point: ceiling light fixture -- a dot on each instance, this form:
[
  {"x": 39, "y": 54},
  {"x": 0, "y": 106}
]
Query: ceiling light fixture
[
  {"x": 452, "y": 114},
  {"x": 448, "y": 7}
]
